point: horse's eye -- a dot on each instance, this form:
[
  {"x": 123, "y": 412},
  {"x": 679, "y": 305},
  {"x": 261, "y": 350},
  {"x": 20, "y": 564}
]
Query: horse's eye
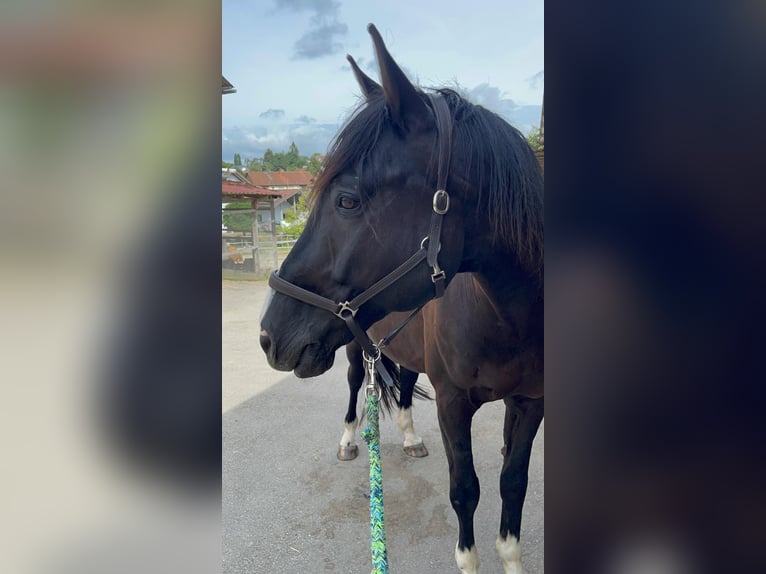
[{"x": 348, "y": 202}]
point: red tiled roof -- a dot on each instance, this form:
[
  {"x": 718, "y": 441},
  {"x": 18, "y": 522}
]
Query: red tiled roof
[
  {"x": 285, "y": 195},
  {"x": 272, "y": 178},
  {"x": 233, "y": 188}
]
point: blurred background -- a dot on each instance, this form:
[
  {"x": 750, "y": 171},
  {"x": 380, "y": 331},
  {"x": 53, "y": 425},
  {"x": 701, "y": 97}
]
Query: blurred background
[
  {"x": 109, "y": 286},
  {"x": 654, "y": 276},
  {"x": 109, "y": 341}
]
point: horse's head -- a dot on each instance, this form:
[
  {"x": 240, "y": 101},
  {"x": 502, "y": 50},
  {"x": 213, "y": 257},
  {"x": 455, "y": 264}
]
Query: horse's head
[{"x": 372, "y": 207}]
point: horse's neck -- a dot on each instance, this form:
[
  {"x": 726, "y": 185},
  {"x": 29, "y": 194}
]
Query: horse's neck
[
  {"x": 501, "y": 282},
  {"x": 492, "y": 318}
]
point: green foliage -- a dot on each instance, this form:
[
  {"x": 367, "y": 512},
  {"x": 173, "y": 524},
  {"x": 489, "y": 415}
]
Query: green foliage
[
  {"x": 226, "y": 164},
  {"x": 255, "y": 164},
  {"x": 268, "y": 159},
  {"x": 239, "y": 221},
  {"x": 295, "y": 219},
  {"x": 282, "y": 161},
  {"x": 290, "y": 160},
  {"x": 533, "y": 138},
  {"x": 293, "y": 158},
  {"x": 314, "y": 164}
]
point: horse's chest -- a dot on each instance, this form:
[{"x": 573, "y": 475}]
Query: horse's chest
[{"x": 493, "y": 366}]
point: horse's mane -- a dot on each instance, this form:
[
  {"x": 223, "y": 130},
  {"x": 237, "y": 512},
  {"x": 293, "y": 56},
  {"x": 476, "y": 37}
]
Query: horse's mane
[{"x": 499, "y": 163}]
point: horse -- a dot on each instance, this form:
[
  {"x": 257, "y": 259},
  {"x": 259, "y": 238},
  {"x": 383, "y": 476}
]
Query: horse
[
  {"x": 407, "y": 389},
  {"x": 404, "y": 156}
]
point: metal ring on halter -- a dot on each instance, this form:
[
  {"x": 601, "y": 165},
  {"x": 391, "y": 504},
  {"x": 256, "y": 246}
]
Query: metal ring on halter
[
  {"x": 427, "y": 238},
  {"x": 373, "y": 360},
  {"x": 441, "y": 202}
]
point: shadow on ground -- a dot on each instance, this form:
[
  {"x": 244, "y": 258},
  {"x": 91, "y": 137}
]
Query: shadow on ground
[{"x": 290, "y": 506}]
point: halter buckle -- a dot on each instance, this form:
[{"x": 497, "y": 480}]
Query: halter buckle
[
  {"x": 441, "y": 202},
  {"x": 439, "y": 279},
  {"x": 345, "y": 306}
]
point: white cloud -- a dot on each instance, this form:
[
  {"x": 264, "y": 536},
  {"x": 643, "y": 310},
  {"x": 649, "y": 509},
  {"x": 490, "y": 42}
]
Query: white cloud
[
  {"x": 537, "y": 80},
  {"x": 272, "y": 114},
  {"x": 522, "y": 117},
  {"x": 252, "y": 141},
  {"x": 322, "y": 37}
]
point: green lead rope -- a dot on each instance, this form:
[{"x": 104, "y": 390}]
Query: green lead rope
[{"x": 371, "y": 436}]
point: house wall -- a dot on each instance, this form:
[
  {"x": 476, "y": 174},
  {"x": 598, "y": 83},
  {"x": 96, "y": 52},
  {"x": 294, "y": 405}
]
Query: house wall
[{"x": 263, "y": 215}]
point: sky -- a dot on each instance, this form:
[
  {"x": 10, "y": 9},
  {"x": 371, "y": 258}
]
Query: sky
[{"x": 287, "y": 60}]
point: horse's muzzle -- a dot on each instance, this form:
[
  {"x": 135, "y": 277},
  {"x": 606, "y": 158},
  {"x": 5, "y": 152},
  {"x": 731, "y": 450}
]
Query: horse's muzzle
[
  {"x": 309, "y": 361},
  {"x": 270, "y": 348},
  {"x": 265, "y": 341}
]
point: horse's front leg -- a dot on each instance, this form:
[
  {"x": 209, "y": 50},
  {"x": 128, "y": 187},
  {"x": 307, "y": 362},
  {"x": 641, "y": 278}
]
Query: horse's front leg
[
  {"x": 455, "y": 413},
  {"x": 413, "y": 444},
  {"x": 348, "y": 449},
  {"x": 523, "y": 417}
]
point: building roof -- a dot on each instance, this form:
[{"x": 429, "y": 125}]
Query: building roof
[
  {"x": 286, "y": 194},
  {"x": 231, "y": 174},
  {"x": 244, "y": 189},
  {"x": 226, "y": 86},
  {"x": 299, "y": 177},
  {"x": 236, "y": 189}
]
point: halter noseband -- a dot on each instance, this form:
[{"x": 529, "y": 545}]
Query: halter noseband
[{"x": 429, "y": 250}]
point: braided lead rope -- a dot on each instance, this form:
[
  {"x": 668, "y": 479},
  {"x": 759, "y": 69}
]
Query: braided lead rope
[{"x": 371, "y": 436}]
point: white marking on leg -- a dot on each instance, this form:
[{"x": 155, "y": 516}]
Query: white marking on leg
[
  {"x": 509, "y": 550},
  {"x": 407, "y": 428},
  {"x": 467, "y": 560},
  {"x": 349, "y": 433}
]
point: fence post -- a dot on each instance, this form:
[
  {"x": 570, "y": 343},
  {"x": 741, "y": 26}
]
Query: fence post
[
  {"x": 274, "y": 233},
  {"x": 256, "y": 257}
]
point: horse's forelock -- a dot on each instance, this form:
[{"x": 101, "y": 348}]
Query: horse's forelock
[{"x": 353, "y": 144}]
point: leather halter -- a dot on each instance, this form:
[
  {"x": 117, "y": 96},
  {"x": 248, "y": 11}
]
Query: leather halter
[{"x": 429, "y": 250}]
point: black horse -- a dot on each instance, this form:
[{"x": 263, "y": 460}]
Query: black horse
[{"x": 482, "y": 339}]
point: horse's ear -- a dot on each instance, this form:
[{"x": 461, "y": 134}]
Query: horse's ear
[
  {"x": 407, "y": 107},
  {"x": 368, "y": 85}
]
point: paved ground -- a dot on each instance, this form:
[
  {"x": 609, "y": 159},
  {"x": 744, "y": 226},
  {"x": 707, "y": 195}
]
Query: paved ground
[{"x": 291, "y": 507}]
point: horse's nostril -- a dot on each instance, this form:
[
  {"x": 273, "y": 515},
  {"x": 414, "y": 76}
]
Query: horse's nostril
[{"x": 265, "y": 341}]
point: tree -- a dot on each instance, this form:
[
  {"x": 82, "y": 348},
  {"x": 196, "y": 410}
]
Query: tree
[
  {"x": 533, "y": 138},
  {"x": 268, "y": 159},
  {"x": 237, "y": 161},
  {"x": 242, "y": 221},
  {"x": 255, "y": 164},
  {"x": 285, "y": 161},
  {"x": 293, "y": 157},
  {"x": 314, "y": 164},
  {"x": 295, "y": 218}
]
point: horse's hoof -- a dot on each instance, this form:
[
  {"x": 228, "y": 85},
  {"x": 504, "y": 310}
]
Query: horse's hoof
[
  {"x": 349, "y": 452},
  {"x": 416, "y": 450}
]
